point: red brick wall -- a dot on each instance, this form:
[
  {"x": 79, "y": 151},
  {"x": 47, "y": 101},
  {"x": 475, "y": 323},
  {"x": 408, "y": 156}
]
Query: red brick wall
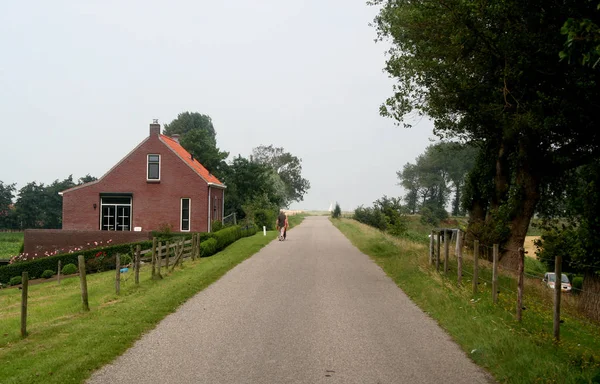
[
  {"x": 48, "y": 240},
  {"x": 154, "y": 204}
]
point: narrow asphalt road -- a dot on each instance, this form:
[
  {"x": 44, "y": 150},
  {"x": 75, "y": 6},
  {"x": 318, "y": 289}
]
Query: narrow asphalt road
[{"x": 311, "y": 309}]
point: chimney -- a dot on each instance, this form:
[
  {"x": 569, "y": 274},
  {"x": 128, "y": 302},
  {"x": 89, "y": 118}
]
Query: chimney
[
  {"x": 154, "y": 128},
  {"x": 175, "y": 137}
]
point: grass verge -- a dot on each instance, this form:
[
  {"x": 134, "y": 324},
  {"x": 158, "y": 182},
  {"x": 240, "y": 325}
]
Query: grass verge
[
  {"x": 65, "y": 344},
  {"x": 10, "y": 244},
  {"x": 490, "y": 335}
]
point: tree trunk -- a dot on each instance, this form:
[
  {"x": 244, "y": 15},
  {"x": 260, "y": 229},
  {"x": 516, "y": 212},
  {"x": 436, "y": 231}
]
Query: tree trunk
[
  {"x": 527, "y": 187},
  {"x": 501, "y": 178},
  {"x": 477, "y": 215},
  {"x": 457, "y": 197},
  {"x": 590, "y": 297}
]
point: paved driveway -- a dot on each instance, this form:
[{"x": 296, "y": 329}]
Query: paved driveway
[{"x": 311, "y": 309}]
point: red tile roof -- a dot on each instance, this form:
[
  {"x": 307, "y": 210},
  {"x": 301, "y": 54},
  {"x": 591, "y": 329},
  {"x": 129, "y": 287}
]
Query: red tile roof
[{"x": 185, "y": 156}]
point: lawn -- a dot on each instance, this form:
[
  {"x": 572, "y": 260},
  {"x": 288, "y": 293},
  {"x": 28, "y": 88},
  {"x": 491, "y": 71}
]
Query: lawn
[
  {"x": 514, "y": 352},
  {"x": 66, "y": 344},
  {"x": 10, "y": 244}
]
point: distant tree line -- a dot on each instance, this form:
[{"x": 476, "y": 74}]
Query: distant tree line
[{"x": 36, "y": 205}]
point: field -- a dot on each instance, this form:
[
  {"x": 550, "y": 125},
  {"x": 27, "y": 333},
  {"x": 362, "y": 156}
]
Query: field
[{"x": 10, "y": 244}]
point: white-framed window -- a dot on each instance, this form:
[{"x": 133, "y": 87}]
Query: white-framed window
[
  {"x": 153, "y": 168},
  {"x": 186, "y": 208},
  {"x": 115, "y": 213}
]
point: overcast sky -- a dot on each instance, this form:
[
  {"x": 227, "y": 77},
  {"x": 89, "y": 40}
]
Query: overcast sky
[{"x": 81, "y": 80}]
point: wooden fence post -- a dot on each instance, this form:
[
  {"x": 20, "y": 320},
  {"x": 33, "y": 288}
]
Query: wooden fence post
[
  {"x": 138, "y": 250},
  {"x": 24, "y": 294},
  {"x": 431, "y": 248},
  {"x": 118, "y": 273},
  {"x": 167, "y": 257},
  {"x": 153, "y": 262},
  {"x": 438, "y": 256},
  {"x": 495, "y": 274},
  {"x": 475, "y": 266},
  {"x": 159, "y": 259},
  {"x": 459, "y": 256},
  {"x": 58, "y": 272},
  {"x": 557, "y": 292},
  {"x": 83, "y": 283},
  {"x": 193, "y": 253},
  {"x": 457, "y": 243},
  {"x": 521, "y": 279},
  {"x": 446, "y": 251}
]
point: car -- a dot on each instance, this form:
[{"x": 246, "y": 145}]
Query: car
[{"x": 550, "y": 279}]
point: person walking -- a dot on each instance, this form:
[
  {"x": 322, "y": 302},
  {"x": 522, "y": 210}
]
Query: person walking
[{"x": 282, "y": 225}]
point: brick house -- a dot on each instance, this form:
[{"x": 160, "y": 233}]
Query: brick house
[{"x": 157, "y": 184}]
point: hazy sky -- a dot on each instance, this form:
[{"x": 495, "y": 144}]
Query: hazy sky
[{"x": 81, "y": 80}]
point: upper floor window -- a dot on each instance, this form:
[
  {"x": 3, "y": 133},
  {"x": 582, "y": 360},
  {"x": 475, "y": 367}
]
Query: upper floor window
[{"x": 153, "y": 167}]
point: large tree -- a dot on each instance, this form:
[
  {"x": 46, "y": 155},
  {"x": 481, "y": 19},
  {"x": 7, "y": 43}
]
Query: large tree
[
  {"x": 287, "y": 166},
  {"x": 488, "y": 73},
  {"x": 40, "y": 206},
  {"x": 198, "y": 136},
  {"x": 436, "y": 174},
  {"x": 251, "y": 183},
  {"x": 7, "y": 194}
]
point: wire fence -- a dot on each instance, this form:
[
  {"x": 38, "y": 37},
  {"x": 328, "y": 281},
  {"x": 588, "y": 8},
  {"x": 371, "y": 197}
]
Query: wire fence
[{"x": 481, "y": 265}]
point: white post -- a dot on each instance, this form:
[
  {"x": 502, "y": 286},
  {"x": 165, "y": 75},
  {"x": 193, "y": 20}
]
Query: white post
[{"x": 264, "y": 230}]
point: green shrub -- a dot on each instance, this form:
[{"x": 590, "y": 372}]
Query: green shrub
[
  {"x": 577, "y": 283},
  {"x": 69, "y": 269},
  {"x": 48, "y": 273},
  {"x": 16, "y": 280},
  {"x": 216, "y": 225},
  {"x": 126, "y": 259},
  {"x": 208, "y": 247},
  {"x": 371, "y": 216},
  {"x": 337, "y": 211}
]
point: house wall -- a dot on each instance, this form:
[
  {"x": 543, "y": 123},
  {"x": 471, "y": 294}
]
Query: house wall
[{"x": 154, "y": 204}]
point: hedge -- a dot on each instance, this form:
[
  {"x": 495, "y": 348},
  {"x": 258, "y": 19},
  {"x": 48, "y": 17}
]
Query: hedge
[
  {"x": 103, "y": 258},
  {"x": 94, "y": 262}
]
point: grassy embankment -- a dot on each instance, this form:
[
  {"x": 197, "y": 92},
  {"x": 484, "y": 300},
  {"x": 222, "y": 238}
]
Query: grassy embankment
[
  {"x": 65, "y": 344},
  {"x": 489, "y": 334}
]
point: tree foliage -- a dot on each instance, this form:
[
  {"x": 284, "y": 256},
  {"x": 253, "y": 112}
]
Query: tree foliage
[
  {"x": 198, "y": 137},
  {"x": 488, "y": 74},
  {"x": 251, "y": 186},
  {"x": 7, "y": 194},
  {"x": 386, "y": 214},
  {"x": 437, "y": 174},
  {"x": 287, "y": 166},
  {"x": 583, "y": 38}
]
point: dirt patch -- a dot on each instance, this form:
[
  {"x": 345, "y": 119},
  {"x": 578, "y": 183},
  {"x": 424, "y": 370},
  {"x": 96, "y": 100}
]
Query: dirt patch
[{"x": 530, "y": 248}]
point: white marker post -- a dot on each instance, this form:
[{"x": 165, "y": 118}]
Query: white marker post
[{"x": 264, "y": 230}]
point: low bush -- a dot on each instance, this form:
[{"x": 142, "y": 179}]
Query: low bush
[
  {"x": 16, "y": 280},
  {"x": 337, "y": 212},
  {"x": 48, "y": 273},
  {"x": 216, "y": 225},
  {"x": 69, "y": 269},
  {"x": 126, "y": 259},
  {"x": 208, "y": 247},
  {"x": 577, "y": 283}
]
